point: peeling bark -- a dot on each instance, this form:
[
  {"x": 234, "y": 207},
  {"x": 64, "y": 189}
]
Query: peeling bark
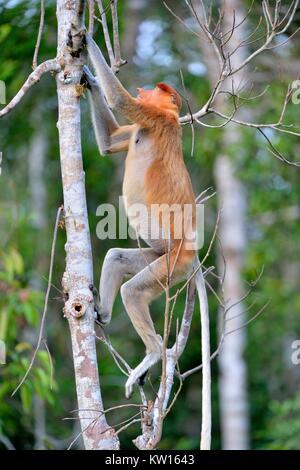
[{"x": 78, "y": 276}]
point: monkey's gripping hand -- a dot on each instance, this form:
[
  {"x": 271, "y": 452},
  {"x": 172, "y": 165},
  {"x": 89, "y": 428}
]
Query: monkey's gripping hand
[{"x": 89, "y": 78}]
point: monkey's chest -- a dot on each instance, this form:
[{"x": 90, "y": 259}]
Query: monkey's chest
[
  {"x": 138, "y": 161},
  {"x": 139, "y": 158},
  {"x": 134, "y": 179}
]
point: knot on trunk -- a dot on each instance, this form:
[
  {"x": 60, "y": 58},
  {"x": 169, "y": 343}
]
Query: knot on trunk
[{"x": 78, "y": 306}]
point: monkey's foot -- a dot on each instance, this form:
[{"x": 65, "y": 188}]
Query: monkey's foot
[
  {"x": 149, "y": 360},
  {"x": 142, "y": 379},
  {"x": 103, "y": 317}
]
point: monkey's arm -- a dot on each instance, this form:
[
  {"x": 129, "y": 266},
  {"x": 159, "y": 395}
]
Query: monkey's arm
[
  {"x": 118, "y": 97},
  {"x": 110, "y": 136}
]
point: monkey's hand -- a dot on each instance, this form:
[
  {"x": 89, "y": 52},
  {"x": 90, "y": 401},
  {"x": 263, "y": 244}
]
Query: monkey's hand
[{"x": 89, "y": 78}]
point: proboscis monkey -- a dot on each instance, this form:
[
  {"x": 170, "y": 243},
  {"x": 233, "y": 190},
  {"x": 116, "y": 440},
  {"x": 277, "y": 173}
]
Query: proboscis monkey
[{"x": 155, "y": 174}]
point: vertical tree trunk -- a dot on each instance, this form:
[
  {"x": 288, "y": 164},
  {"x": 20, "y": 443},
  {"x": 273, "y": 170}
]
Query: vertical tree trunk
[
  {"x": 78, "y": 276},
  {"x": 232, "y": 366},
  {"x": 232, "y": 203}
]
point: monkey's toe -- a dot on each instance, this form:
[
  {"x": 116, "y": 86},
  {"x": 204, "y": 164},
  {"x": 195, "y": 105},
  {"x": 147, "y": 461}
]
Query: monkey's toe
[
  {"x": 132, "y": 380},
  {"x": 102, "y": 316},
  {"x": 142, "y": 378}
]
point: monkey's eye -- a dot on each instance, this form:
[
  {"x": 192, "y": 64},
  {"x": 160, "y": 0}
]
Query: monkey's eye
[{"x": 173, "y": 98}]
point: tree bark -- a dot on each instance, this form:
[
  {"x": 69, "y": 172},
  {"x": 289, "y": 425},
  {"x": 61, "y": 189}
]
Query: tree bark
[{"x": 78, "y": 276}]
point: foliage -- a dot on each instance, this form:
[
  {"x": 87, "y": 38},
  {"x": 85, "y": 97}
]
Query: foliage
[
  {"x": 283, "y": 431},
  {"x": 19, "y": 316}
]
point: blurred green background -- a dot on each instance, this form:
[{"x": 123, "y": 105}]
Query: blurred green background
[{"x": 157, "y": 47}]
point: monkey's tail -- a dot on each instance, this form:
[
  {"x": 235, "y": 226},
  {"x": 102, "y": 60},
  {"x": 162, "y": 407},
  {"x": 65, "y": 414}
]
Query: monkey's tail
[{"x": 205, "y": 347}]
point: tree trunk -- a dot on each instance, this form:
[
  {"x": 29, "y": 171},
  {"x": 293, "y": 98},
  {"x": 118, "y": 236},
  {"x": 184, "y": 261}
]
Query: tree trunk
[
  {"x": 78, "y": 276},
  {"x": 232, "y": 203}
]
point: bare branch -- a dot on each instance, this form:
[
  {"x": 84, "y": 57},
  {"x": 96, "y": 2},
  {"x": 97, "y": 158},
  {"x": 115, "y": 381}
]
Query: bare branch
[
  {"x": 182, "y": 21},
  {"x": 225, "y": 333},
  {"x": 275, "y": 25},
  {"x": 275, "y": 31},
  {"x": 106, "y": 33},
  {"x": 116, "y": 356},
  {"x": 91, "y": 4},
  {"x": 39, "y": 37},
  {"x": 43, "y": 319},
  {"x": 51, "y": 65},
  {"x": 205, "y": 27},
  {"x": 117, "y": 51},
  {"x": 152, "y": 431}
]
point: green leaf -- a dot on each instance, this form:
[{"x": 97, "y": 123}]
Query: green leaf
[
  {"x": 30, "y": 314},
  {"x": 26, "y": 398}
]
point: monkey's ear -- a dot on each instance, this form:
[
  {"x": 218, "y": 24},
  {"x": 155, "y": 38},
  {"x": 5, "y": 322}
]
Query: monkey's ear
[{"x": 175, "y": 97}]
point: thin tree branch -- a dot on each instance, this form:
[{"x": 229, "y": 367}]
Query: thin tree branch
[
  {"x": 39, "y": 37},
  {"x": 51, "y": 65},
  {"x": 106, "y": 33},
  {"x": 91, "y": 4},
  {"x": 115, "y": 23},
  {"x": 42, "y": 325}
]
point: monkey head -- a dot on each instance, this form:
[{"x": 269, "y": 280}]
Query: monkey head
[{"x": 162, "y": 96}]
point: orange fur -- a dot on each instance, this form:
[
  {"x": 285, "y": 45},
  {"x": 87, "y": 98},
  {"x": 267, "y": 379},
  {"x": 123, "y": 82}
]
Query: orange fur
[{"x": 166, "y": 179}]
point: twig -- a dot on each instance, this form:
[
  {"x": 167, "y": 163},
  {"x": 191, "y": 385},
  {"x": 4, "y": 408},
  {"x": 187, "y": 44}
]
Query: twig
[
  {"x": 94, "y": 421},
  {"x": 106, "y": 34},
  {"x": 223, "y": 333},
  {"x": 108, "y": 410},
  {"x": 91, "y": 4},
  {"x": 191, "y": 114},
  {"x": 132, "y": 421},
  {"x": 115, "y": 23},
  {"x": 39, "y": 37},
  {"x": 51, "y": 65},
  {"x": 152, "y": 432},
  {"x": 250, "y": 320},
  {"x": 42, "y": 325},
  {"x": 115, "y": 355},
  {"x": 257, "y": 126},
  {"x": 276, "y": 26}
]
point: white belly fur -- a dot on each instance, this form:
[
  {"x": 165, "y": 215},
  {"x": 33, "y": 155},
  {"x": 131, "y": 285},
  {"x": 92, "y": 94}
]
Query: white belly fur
[{"x": 138, "y": 160}]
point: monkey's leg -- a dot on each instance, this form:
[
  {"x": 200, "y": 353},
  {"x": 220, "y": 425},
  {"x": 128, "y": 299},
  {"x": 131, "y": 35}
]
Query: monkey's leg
[
  {"x": 118, "y": 264},
  {"x": 137, "y": 293}
]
